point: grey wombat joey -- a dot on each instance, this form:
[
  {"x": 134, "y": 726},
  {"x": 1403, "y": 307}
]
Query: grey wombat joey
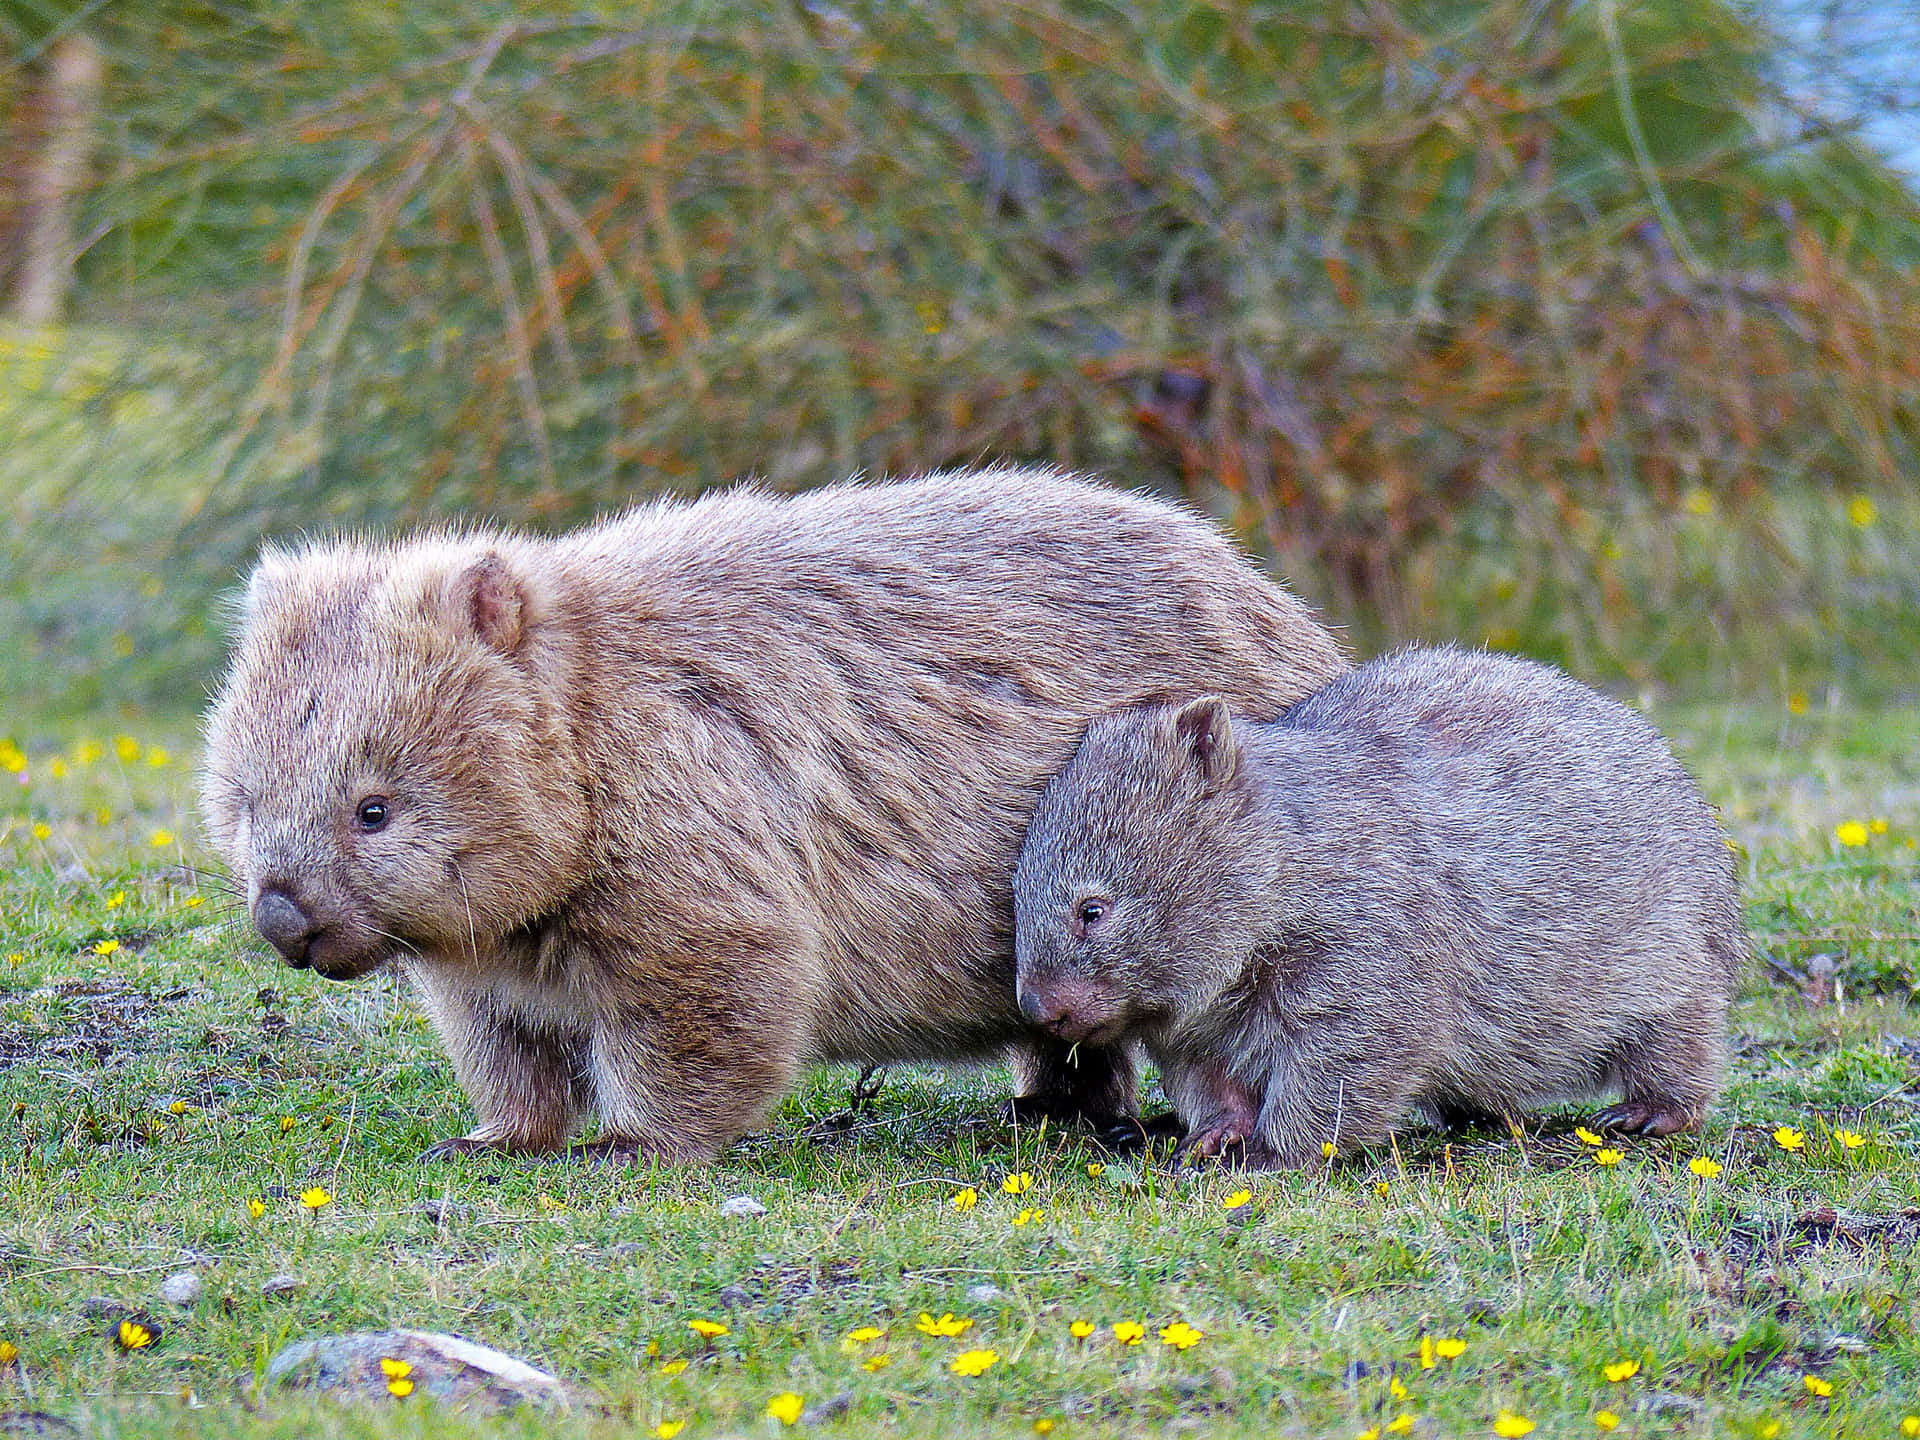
[
  {"x": 654, "y": 813},
  {"x": 1448, "y": 880}
]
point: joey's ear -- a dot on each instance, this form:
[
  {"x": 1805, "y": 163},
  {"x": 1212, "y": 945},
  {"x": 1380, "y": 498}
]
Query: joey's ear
[
  {"x": 1205, "y": 733},
  {"x": 488, "y": 600}
]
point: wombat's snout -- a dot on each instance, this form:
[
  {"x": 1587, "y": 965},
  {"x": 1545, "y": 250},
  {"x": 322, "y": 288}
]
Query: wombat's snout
[
  {"x": 1071, "y": 1006},
  {"x": 285, "y": 926}
]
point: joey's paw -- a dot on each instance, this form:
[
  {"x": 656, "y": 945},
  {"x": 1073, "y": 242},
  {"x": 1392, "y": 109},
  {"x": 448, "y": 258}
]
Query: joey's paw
[
  {"x": 1133, "y": 1133},
  {"x": 1645, "y": 1117}
]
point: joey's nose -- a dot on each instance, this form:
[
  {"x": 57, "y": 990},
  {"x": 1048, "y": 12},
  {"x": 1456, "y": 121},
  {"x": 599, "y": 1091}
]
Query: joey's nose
[
  {"x": 1072, "y": 1009},
  {"x": 284, "y": 925}
]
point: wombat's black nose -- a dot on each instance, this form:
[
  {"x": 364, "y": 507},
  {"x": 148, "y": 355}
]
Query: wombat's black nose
[{"x": 284, "y": 925}]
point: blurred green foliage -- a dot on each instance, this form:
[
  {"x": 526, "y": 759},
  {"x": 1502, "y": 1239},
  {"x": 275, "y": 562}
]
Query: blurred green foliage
[{"x": 1547, "y": 324}]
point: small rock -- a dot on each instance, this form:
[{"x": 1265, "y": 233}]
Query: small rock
[
  {"x": 33, "y": 1422},
  {"x": 732, "y": 1297},
  {"x": 827, "y": 1410},
  {"x": 1665, "y": 1403},
  {"x": 741, "y": 1205},
  {"x": 452, "y": 1370},
  {"x": 277, "y": 1286},
  {"x": 181, "y": 1288},
  {"x": 984, "y": 1294}
]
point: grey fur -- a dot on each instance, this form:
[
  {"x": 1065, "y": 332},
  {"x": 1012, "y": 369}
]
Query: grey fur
[{"x": 1448, "y": 880}]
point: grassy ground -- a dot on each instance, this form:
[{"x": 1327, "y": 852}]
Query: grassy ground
[{"x": 170, "y": 1094}]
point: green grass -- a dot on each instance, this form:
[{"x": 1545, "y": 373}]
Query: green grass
[{"x": 1726, "y": 1291}]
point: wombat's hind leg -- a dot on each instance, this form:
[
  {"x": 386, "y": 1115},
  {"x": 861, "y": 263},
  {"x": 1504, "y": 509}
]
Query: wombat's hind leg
[
  {"x": 1096, "y": 1085},
  {"x": 1669, "y": 1074}
]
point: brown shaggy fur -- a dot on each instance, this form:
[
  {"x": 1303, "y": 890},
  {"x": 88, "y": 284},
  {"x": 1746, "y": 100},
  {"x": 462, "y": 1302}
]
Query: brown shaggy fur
[
  {"x": 655, "y": 813},
  {"x": 1453, "y": 881}
]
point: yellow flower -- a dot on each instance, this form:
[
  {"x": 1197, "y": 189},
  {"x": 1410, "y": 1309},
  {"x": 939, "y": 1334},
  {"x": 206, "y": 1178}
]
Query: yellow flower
[
  {"x": 287, "y": 1122},
  {"x": 1816, "y": 1386},
  {"x": 673, "y": 1367},
  {"x": 1850, "y": 833},
  {"x": 545, "y": 1202},
  {"x": 256, "y": 1208},
  {"x": 875, "y": 1363},
  {"x": 107, "y": 947},
  {"x": 1080, "y": 1329},
  {"x": 1017, "y": 1184},
  {"x": 161, "y": 839},
  {"x": 1043, "y": 1426},
  {"x": 102, "y": 815},
  {"x": 1029, "y": 1217},
  {"x": 1797, "y": 702},
  {"x": 116, "y": 900},
  {"x": 1373, "y": 1434},
  {"x": 194, "y": 902},
  {"x": 865, "y": 1335},
  {"x": 1608, "y": 1158},
  {"x": 1622, "y": 1370},
  {"x": 1703, "y": 1167},
  {"x": 974, "y": 1362},
  {"x": 87, "y": 751},
  {"x": 667, "y": 1429},
  {"x": 42, "y": 830},
  {"x": 134, "y": 1335},
  {"x": 1852, "y": 1139},
  {"x": 1129, "y": 1332},
  {"x": 1697, "y": 502},
  {"x": 1510, "y": 1426},
  {"x": 1877, "y": 826},
  {"x": 1910, "y": 1426},
  {"x": 395, "y": 1369},
  {"x": 1587, "y": 1137},
  {"x": 127, "y": 748},
  {"x": 158, "y": 757},
  {"x": 1400, "y": 1424},
  {"x": 1395, "y": 1388},
  {"x": 707, "y": 1329},
  {"x": 315, "y": 1198},
  {"x": 947, "y": 1325},
  {"x": 9, "y": 1352},
  {"x": 1862, "y": 511},
  {"x": 1326, "y": 1149},
  {"x": 1094, "y": 1170},
  {"x": 1426, "y": 1352},
  {"x": 1451, "y": 1347},
  {"x": 16, "y": 957},
  {"x": 1605, "y": 1419},
  {"x": 966, "y": 1199},
  {"x": 1382, "y": 1189},
  {"x": 1766, "y": 1429},
  {"x": 57, "y": 768},
  {"x": 1789, "y": 1139},
  {"x": 1182, "y": 1336},
  {"x": 178, "y": 1107},
  {"x": 1237, "y": 1199},
  {"x": 785, "y": 1407}
]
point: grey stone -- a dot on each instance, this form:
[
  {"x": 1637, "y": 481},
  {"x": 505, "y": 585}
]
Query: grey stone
[
  {"x": 452, "y": 1370},
  {"x": 181, "y": 1288},
  {"x": 741, "y": 1205}
]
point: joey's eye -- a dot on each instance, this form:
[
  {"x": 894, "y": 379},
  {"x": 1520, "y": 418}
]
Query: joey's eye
[
  {"x": 1089, "y": 913},
  {"x": 373, "y": 814}
]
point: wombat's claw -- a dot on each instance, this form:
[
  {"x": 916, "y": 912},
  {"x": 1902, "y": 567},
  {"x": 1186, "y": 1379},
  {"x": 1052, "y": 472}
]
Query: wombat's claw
[
  {"x": 1133, "y": 1134},
  {"x": 1640, "y": 1117},
  {"x": 1220, "y": 1142},
  {"x": 462, "y": 1145}
]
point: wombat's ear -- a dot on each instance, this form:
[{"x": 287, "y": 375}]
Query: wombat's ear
[
  {"x": 1202, "y": 727},
  {"x": 487, "y": 598}
]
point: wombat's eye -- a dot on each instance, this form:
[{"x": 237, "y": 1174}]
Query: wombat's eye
[
  {"x": 373, "y": 813},
  {"x": 1092, "y": 912}
]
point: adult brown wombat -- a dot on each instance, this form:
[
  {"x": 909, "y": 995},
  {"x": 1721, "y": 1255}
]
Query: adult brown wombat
[
  {"x": 657, "y": 812},
  {"x": 1448, "y": 880}
]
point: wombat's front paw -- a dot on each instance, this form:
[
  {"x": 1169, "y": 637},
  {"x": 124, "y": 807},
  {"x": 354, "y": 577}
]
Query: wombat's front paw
[
  {"x": 1134, "y": 1133},
  {"x": 1645, "y": 1117},
  {"x": 463, "y": 1145},
  {"x": 1222, "y": 1141}
]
